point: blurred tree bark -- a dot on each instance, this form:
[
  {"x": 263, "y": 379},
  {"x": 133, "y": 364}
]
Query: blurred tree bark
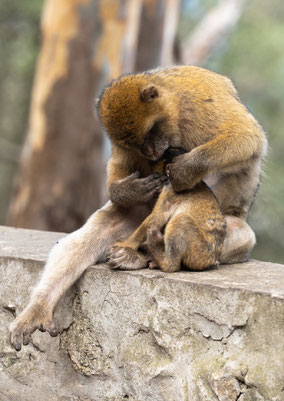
[
  {"x": 62, "y": 171},
  {"x": 86, "y": 43},
  {"x": 157, "y": 34}
]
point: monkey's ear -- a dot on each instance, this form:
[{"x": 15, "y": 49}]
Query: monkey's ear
[{"x": 149, "y": 93}]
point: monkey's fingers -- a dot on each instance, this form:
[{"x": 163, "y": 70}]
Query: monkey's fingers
[
  {"x": 144, "y": 185},
  {"x": 121, "y": 255},
  {"x": 16, "y": 340},
  {"x": 119, "y": 261},
  {"x": 152, "y": 193},
  {"x": 26, "y": 338},
  {"x": 20, "y": 335},
  {"x": 151, "y": 178},
  {"x": 114, "y": 265},
  {"x": 115, "y": 251},
  {"x": 132, "y": 176},
  {"x": 127, "y": 259},
  {"x": 155, "y": 179},
  {"x": 36, "y": 316},
  {"x": 117, "y": 255},
  {"x": 116, "y": 259}
]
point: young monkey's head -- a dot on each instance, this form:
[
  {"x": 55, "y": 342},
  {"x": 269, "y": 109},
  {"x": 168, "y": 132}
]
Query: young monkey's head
[{"x": 132, "y": 110}]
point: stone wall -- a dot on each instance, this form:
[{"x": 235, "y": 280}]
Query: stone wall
[{"x": 145, "y": 335}]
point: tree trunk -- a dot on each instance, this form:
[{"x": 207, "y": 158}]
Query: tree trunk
[
  {"x": 157, "y": 34},
  {"x": 62, "y": 170}
]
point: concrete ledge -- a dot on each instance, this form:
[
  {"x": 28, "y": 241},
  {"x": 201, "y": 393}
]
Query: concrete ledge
[{"x": 145, "y": 335}]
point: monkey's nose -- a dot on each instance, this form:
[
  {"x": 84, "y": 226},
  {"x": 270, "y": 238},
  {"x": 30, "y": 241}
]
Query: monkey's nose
[{"x": 148, "y": 151}]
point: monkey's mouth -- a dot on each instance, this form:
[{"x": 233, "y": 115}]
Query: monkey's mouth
[
  {"x": 168, "y": 154},
  {"x": 152, "y": 154},
  {"x": 154, "y": 158},
  {"x": 171, "y": 153}
]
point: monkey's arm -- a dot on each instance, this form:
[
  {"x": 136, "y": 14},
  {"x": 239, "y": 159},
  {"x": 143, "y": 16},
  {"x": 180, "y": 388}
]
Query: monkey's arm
[
  {"x": 225, "y": 153},
  {"x": 124, "y": 186}
]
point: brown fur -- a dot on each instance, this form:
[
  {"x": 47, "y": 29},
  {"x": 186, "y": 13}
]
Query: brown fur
[
  {"x": 145, "y": 114},
  {"x": 220, "y": 135},
  {"x": 199, "y": 111},
  {"x": 194, "y": 230}
]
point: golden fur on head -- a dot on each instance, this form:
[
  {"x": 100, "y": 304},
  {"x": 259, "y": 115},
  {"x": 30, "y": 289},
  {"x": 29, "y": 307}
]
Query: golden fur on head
[{"x": 128, "y": 107}]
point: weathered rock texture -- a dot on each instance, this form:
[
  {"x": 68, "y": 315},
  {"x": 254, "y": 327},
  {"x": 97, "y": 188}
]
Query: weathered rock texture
[{"x": 145, "y": 335}]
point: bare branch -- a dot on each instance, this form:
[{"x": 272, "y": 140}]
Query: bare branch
[
  {"x": 211, "y": 30},
  {"x": 133, "y": 16},
  {"x": 169, "y": 31},
  {"x": 158, "y": 25}
]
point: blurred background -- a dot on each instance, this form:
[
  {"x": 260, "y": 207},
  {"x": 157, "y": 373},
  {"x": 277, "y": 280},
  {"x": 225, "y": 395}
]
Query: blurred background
[{"x": 57, "y": 55}]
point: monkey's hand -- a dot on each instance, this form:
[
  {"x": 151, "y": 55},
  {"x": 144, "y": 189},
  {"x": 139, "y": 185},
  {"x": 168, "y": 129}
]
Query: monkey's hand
[
  {"x": 35, "y": 316},
  {"x": 132, "y": 190},
  {"x": 186, "y": 171},
  {"x": 125, "y": 258}
]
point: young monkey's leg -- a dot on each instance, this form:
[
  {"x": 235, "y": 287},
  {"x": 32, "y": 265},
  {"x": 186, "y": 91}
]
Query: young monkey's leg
[
  {"x": 156, "y": 245},
  {"x": 124, "y": 255},
  {"x": 66, "y": 262}
]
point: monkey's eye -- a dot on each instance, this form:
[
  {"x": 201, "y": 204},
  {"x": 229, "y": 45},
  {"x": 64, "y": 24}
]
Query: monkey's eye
[
  {"x": 126, "y": 136},
  {"x": 127, "y": 142},
  {"x": 129, "y": 139},
  {"x": 156, "y": 127}
]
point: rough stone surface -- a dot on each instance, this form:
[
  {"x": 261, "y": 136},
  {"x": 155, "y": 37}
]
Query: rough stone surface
[{"x": 145, "y": 335}]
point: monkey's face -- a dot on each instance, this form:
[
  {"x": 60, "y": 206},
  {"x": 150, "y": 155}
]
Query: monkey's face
[
  {"x": 155, "y": 142},
  {"x": 133, "y": 113}
]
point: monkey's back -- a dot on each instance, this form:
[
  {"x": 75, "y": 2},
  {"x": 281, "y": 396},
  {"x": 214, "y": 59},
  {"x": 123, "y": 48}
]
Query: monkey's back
[
  {"x": 200, "y": 205},
  {"x": 196, "y": 229},
  {"x": 204, "y": 103}
]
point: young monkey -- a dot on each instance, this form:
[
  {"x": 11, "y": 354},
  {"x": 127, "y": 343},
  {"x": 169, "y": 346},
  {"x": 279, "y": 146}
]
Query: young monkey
[{"x": 194, "y": 230}]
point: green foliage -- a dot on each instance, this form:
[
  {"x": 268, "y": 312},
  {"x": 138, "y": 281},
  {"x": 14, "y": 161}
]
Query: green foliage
[
  {"x": 20, "y": 38},
  {"x": 19, "y": 32}
]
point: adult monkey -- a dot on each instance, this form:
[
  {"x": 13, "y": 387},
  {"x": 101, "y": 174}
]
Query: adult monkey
[{"x": 144, "y": 115}]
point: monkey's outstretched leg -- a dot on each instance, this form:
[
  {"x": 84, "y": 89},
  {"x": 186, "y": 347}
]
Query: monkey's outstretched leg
[
  {"x": 239, "y": 241},
  {"x": 66, "y": 262}
]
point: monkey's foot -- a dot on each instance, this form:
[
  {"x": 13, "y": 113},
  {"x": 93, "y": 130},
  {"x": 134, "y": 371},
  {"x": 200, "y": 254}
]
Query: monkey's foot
[
  {"x": 125, "y": 258},
  {"x": 153, "y": 265},
  {"x": 34, "y": 316}
]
